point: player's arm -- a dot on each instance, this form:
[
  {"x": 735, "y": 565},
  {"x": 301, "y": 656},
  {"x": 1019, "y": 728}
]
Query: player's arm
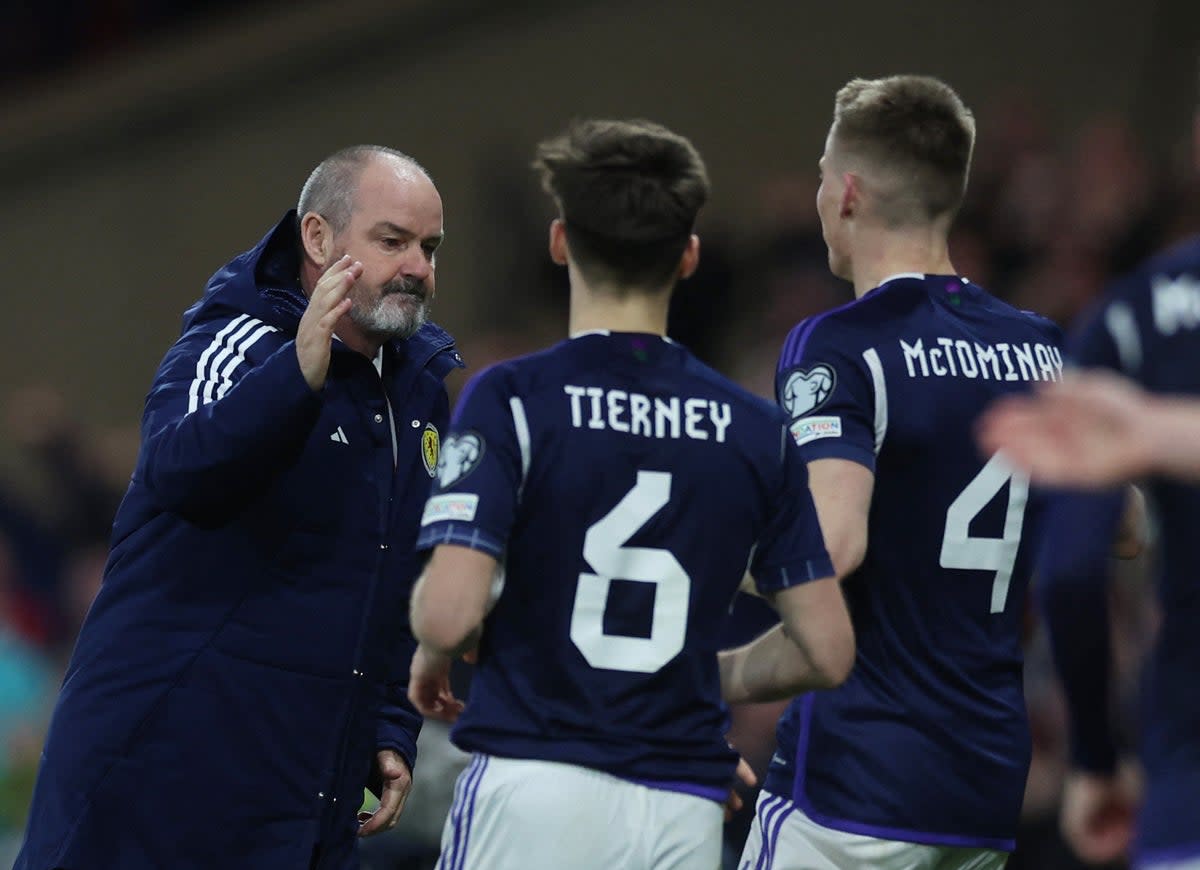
[
  {"x": 812, "y": 647},
  {"x": 1072, "y": 595},
  {"x": 841, "y": 490},
  {"x": 1095, "y": 429},
  {"x": 466, "y": 525},
  {"x": 836, "y": 430},
  {"x": 448, "y": 606},
  {"x": 1173, "y": 424},
  {"x": 1133, "y": 532},
  {"x": 450, "y": 600}
]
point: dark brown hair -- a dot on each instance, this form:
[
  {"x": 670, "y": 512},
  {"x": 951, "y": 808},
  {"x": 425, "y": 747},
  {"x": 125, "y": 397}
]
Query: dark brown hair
[
  {"x": 917, "y": 131},
  {"x": 628, "y": 192}
]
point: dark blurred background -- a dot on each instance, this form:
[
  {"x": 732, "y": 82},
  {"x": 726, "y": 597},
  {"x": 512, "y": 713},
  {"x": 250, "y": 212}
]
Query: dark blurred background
[{"x": 144, "y": 142}]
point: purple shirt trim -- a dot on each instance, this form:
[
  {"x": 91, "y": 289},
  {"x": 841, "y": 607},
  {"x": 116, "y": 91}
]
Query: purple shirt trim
[
  {"x": 773, "y": 839},
  {"x": 461, "y": 790},
  {"x": 800, "y": 798},
  {"x": 474, "y": 790},
  {"x": 765, "y": 820},
  {"x": 707, "y": 792},
  {"x": 461, "y": 534},
  {"x": 1150, "y": 859}
]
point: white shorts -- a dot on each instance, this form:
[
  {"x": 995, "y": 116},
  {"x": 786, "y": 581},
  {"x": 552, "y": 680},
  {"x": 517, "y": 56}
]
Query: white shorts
[
  {"x": 784, "y": 838},
  {"x": 517, "y": 814}
]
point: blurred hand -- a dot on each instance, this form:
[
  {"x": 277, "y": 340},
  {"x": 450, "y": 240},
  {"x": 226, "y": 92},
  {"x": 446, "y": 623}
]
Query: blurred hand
[
  {"x": 1085, "y": 431},
  {"x": 397, "y": 782},
  {"x": 1097, "y": 816},
  {"x": 429, "y": 686},
  {"x": 734, "y": 802},
  {"x": 326, "y": 306}
]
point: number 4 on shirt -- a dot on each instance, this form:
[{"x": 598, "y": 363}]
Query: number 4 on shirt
[{"x": 961, "y": 550}]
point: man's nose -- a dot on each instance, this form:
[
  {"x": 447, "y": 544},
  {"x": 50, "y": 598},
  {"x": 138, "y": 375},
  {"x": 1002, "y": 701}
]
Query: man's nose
[{"x": 416, "y": 263}]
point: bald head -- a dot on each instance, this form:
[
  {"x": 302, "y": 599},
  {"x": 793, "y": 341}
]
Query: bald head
[{"x": 332, "y": 186}]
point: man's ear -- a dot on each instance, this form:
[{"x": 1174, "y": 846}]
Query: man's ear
[
  {"x": 316, "y": 236},
  {"x": 690, "y": 258},
  {"x": 558, "y": 242},
  {"x": 851, "y": 194}
]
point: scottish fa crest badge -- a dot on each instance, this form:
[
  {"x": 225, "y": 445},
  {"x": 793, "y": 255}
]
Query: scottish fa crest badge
[{"x": 430, "y": 444}]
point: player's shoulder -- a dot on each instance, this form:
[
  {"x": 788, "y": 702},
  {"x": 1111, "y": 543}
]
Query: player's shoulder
[
  {"x": 845, "y": 330},
  {"x": 1178, "y": 266},
  {"x": 1039, "y": 324},
  {"x": 1158, "y": 294},
  {"x": 1181, "y": 258},
  {"x": 519, "y": 374},
  {"x": 727, "y": 390}
]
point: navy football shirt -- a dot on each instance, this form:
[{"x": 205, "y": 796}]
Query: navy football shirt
[
  {"x": 928, "y": 740},
  {"x": 1148, "y": 328},
  {"x": 625, "y": 489}
]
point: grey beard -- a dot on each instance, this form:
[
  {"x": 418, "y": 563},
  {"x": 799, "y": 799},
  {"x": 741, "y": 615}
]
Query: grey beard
[{"x": 390, "y": 321}]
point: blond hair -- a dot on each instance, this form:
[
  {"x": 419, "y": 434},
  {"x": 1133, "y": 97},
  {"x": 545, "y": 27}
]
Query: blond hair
[{"x": 914, "y": 132}]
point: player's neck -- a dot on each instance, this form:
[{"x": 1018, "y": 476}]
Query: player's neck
[
  {"x": 887, "y": 253},
  {"x": 606, "y": 309}
]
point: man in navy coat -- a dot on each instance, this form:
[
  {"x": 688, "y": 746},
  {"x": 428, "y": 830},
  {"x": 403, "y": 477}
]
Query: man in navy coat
[{"x": 241, "y": 675}]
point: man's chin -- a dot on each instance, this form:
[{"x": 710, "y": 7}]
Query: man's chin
[{"x": 396, "y": 324}]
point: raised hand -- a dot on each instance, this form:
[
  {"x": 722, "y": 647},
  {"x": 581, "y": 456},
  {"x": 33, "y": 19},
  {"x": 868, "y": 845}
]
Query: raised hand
[{"x": 325, "y": 307}]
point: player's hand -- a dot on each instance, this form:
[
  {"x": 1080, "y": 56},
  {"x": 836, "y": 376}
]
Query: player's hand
[
  {"x": 734, "y": 802},
  {"x": 1097, "y": 817},
  {"x": 397, "y": 782},
  {"x": 1084, "y": 431},
  {"x": 429, "y": 686},
  {"x": 326, "y": 306}
]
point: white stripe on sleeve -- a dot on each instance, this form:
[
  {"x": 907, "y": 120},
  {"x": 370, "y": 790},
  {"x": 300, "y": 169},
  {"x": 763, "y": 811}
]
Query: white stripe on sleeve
[
  {"x": 222, "y": 357},
  {"x": 521, "y": 425},
  {"x": 1122, "y": 326},
  {"x": 881, "y": 400},
  {"x": 239, "y": 357}
]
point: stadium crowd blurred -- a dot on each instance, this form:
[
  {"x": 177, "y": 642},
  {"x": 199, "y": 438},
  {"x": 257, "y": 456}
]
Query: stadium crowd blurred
[{"x": 1048, "y": 221}]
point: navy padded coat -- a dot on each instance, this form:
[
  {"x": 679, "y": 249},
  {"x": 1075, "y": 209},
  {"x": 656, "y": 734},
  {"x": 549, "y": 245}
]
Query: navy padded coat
[{"x": 248, "y": 652}]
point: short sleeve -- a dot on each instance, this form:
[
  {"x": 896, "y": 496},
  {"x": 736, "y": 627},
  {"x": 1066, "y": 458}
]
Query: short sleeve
[
  {"x": 792, "y": 550},
  {"x": 827, "y": 395},
  {"x": 479, "y": 470}
]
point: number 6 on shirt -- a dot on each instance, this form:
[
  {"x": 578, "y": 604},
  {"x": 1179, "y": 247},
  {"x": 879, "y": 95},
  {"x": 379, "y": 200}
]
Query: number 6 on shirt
[{"x": 604, "y": 550}]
